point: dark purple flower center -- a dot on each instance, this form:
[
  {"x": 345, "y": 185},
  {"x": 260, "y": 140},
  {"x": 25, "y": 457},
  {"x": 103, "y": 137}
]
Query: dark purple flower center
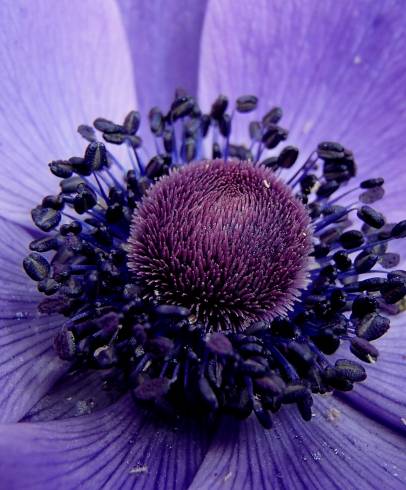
[
  {"x": 196, "y": 282},
  {"x": 225, "y": 239}
]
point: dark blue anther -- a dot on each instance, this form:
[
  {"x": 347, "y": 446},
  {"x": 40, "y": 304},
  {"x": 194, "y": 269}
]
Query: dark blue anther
[
  {"x": 46, "y": 219},
  {"x": 219, "y": 107},
  {"x": 371, "y": 217},
  {"x": 364, "y": 350},
  {"x": 246, "y": 103},
  {"x": 273, "y": 116},
  {"x": 287, "y": 157},
  {"x": 36, "y": 266},
  {"x": 106, "y": 126},
  {"x": 330, "y": 150},
  {"x": 132, "y": 122},
  {"x": 61, "y": 168}
]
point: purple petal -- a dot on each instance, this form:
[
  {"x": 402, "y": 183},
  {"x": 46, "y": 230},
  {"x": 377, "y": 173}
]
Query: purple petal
[
  {"x": 383, "y": 395},
  {"x": 164, "y": 39},
  {"x": 63, "y": 64},
  {"x": 28, "y": 364},
  {"x": 337, "y": 68},
  {"x": 76, "y": 394},
  {"x": 119, "y": 447},
  {"x": 339, "y": 448}
]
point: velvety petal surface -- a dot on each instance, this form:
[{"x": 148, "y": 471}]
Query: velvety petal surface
[
  {"x": 119, "y": 447},
  {"x": 339, "y": 448},
  {"x": 28, "y": 364},
  {"x": 63, "y": 64},
  {"x": 164, "y": 38},
  {"x": 337, "y": 68}
]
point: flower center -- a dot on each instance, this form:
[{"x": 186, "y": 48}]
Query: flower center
[
  {"x": 182, "y": 276},
  {"x": 225, "y": 239}
]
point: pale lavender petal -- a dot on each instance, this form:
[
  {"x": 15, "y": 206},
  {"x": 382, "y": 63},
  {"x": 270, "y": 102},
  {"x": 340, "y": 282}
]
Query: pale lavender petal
[
  {"x": 119, "y": 447},
  {"x": 28, "y": 363},
  {"x": 337, "y": 68},
  {"x": 339, "y": 448},
  {"x": 63, "y": 64},
  {"x": 164, "y": 38}
]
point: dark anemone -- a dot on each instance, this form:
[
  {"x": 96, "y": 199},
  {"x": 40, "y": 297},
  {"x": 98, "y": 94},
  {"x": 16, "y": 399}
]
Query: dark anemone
[{"x": 185, "y": 281}]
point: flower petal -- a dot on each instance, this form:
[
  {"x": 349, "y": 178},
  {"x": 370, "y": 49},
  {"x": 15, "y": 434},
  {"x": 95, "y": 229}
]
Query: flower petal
[
  {"x": 28, "y": 364},
  {"x": 383, "y": 395},
  {"x": 337, "y": 68},
  {"x": 76, "y": 394},
  {"x": 119, "y": 447},
  {"x": 63, "y": 64},
  {"x": 164, "y": 38},
  {"x": 339, "y": 448}
]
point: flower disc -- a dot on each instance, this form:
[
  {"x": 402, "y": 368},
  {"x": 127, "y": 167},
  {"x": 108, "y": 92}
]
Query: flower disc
[{"x": 227, "y": 240}]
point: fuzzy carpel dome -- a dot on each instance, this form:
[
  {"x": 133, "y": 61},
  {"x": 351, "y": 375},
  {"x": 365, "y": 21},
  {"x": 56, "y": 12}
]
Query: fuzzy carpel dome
[{"x": 225, "y": 239}]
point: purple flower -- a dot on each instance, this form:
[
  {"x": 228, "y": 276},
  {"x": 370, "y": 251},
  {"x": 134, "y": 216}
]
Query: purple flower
[{"x": 338, "y": 71}]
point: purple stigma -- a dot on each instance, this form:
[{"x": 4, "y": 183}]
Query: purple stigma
[{"x": 227, "y": 240}]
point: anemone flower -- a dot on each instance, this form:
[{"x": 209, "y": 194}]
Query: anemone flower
[{"x": 190, "y": 284}]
